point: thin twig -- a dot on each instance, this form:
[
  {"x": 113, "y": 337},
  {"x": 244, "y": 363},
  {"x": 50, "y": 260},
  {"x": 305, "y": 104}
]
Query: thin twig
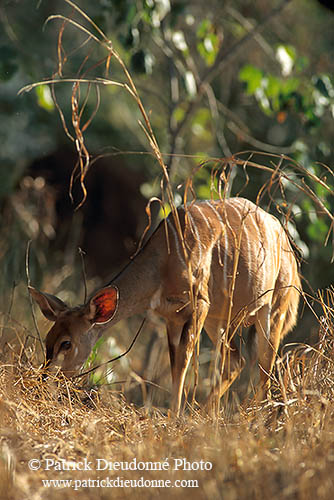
[
  {"x": 30, "y": 297},
  {"x": 225, "y": 57},
  {"x": 83, "y": 269},
  {"x": 113, "y": 359}
]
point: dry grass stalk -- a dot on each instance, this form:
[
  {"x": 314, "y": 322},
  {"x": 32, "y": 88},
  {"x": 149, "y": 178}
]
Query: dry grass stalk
[
  {"x": 279, "y": 448},
  {"x": 282, "y": 167}
]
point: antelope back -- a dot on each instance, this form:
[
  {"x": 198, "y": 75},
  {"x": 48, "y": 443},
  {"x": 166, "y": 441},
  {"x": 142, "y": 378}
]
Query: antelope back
[
  {"x": 232, "y": 256},
  {"x": 240, "y": 259}
]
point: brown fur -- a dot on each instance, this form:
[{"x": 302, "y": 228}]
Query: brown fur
[{"x": 234, "y": 266}]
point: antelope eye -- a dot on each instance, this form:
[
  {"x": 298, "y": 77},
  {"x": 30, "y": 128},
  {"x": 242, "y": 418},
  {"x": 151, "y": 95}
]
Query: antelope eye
[{"x": 65, "y": 346}]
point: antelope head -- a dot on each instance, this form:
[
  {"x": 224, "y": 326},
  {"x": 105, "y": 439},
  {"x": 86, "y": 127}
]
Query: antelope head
[{"x": 75, "y": 330}]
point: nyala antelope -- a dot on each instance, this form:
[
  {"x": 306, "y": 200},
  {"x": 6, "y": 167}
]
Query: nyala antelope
[{"x": 235, "y": 265}]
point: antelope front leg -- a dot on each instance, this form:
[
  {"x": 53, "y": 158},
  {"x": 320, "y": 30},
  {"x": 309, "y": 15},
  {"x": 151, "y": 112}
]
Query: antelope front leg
[
  {"x": 181, "y": 346},
  {"x": 181, "y": 343}
]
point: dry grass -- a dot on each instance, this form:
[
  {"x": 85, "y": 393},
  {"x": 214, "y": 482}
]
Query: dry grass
[{"x": 284, "y": 448}]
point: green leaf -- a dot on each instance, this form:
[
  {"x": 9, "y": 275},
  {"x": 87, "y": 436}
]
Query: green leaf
[
  {"x": 208, "y": 48},
  {"x": 290, "y": 85},
  {"x": 252, "y": 77},
  {"x": 164, "y": 211},
  {"x": 203, "y": 28},
  {"x": 204, "y": 192},
  {"x": 307, "y": 206},
  {"x": 208, "y": 42},
  {"x": 93, "y": 357},
  {"x": 321, "y": 192},
  {"x": 273, "y": 86},
  {"x": 178, "y": 114},
  {"x": 202, "y": 117},
  {"x": 318, "y": 230},
  {"x": 44, "y": 97}
]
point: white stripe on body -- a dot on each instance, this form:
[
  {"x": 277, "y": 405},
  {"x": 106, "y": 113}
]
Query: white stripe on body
[
  {"x": 204, "y": 217},
  {"x": 246, "y": 215},
  {"x": 197, "y": 236},
  {"x": 224, "y": 232},
  {"x": 179, "y": 250},
  {"x": 249, "y": 254},
  {"x": 225, "y": 257},
  {"x": 260, "y": 254}
]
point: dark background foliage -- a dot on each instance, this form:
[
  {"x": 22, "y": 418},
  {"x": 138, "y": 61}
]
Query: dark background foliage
[{"x": 216, "y": 78}]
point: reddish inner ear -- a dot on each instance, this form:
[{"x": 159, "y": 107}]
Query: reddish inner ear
[{"x": 106, "y": 302}]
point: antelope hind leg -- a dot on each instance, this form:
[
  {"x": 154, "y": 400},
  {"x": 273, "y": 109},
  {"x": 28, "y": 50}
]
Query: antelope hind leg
[
  {"x": 230, "y": 366},
  {"x": 269, "y": 337}
]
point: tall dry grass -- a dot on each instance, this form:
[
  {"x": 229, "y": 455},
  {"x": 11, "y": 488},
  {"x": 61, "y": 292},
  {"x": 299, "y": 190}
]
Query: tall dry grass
[{"x": 281, "y": 448}]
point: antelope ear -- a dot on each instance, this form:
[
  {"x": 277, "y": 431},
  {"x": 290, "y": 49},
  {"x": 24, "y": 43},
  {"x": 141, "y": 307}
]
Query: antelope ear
[
  {"x": 50, "y": 305},
  {"x": 103, "y": 305}
]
